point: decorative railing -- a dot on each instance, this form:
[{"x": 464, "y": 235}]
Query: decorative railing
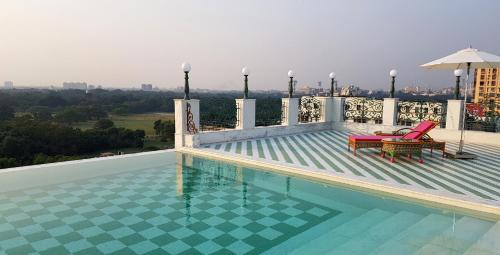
[
  {"x": 309, "y": 109},
  {"x": 363, "y": 110},
  {"x": 216, "y": 125},
  {"x": 413, "y": 112},
  {"x": 482, "y": 117},
  {"x": 268, "y": 113}
]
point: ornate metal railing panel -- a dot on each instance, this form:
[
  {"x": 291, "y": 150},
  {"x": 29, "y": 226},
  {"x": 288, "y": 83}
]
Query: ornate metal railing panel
[
  {"x": 309, "y": 109},
  {"x": 191, "y": 127},
  {"x": 482, "y": 117},
  {"x": 216, "y": 125},
  {"x": 363, "y": 110},
  {"x": 413, "y": 112}
]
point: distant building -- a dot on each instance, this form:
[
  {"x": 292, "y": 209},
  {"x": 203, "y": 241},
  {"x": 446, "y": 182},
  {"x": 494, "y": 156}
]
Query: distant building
[
  {"x": 90, "y": 87},
  {"x": 147, "y": 87},
  {"x": 8, "y": 85},
  {"x": 487, "y": 86},
  {"x": 75, "y": 85}
]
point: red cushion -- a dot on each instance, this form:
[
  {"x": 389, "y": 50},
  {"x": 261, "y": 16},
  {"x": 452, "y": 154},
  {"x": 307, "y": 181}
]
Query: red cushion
[{"x": 421, "y": 129}]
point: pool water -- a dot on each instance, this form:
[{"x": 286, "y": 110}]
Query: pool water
[{"x": 168, "y": 203}]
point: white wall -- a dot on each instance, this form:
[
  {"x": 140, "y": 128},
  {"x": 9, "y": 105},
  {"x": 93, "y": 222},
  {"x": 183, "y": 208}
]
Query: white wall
[{"x": 257, "y": 132}]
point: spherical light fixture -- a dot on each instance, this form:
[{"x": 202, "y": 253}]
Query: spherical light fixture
[
  {"x": 186, "y": 67},
  {"x": 393, "y": 73},
  {"x": 332, "y": 75},
  {"x": 291, "y": 74},
  {"x": 458, "y": 72},
  {"x": 245, "y": 71}
]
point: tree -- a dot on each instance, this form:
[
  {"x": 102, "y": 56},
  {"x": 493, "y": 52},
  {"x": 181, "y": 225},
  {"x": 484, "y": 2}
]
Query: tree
[
  {"x": 104, "y": 124},
  {"x": 70, "y": 115},
  {"x": 41, "y": 113},
  {"x": 164, "y": 129},
  {"x": 6, "y": 112}
]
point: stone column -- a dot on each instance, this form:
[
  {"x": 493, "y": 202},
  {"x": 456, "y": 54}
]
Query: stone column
[
  {"x": 326, "y": 109},
  {"x": 290, "y": 111},
  {"x": 245, "y": 113},
  {"x": 390, "y": 114},
  {"x": 454, "y": 113},
  {"x": 181, "y": 119},
  {"x": 338, "y": 104}
]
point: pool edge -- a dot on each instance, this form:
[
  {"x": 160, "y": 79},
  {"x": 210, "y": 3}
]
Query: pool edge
[{"x": 489, "y": 212}]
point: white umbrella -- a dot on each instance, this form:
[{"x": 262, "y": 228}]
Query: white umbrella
[{"x": 466, "y": 58}]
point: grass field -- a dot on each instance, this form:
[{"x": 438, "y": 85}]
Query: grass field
[{"x": 133, "y": 121}]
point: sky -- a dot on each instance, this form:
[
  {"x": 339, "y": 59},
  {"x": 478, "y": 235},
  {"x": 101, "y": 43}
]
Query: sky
[{"x": 124, "y": 43}]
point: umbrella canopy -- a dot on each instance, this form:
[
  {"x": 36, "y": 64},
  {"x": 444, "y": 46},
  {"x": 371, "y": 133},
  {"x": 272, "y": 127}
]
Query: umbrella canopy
[{"x": 460, "y": 59}]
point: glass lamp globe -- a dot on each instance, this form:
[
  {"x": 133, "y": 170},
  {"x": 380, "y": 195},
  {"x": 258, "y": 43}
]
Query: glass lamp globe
[
  {"x": 245, "y": 71},
  {"x": 393, "y": 73},
  {"x": 186, "y": 67},
  {"x": 332, "y": 75},
  {"x": 291, "y": 74},
  {"x": 458, "y": 72}
]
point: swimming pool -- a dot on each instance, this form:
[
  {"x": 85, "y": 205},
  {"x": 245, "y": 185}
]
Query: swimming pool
[{"x": 172, "y": 203}]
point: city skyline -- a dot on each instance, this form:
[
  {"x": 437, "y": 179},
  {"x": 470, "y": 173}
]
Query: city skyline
[{"x": 50, "y": 42}]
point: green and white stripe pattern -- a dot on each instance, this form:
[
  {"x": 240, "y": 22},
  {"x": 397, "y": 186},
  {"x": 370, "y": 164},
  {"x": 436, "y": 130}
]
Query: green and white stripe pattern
[{"x": 326, "y": 152}]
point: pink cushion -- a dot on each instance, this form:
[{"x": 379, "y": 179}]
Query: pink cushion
[
  {"x": 421, "y": 129},
  {"x": 371, "y": 137}
]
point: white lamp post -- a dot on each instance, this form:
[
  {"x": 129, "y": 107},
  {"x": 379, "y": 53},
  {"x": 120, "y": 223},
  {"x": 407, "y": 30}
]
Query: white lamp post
[
  {"x": 245, "y": 73},
  {"x": 332, "y": 86},
  {"x": 393, "y": 73},
  {"x": 291, "y": 74},
  {"x": 186, "y": 68},
  {"x": 457, "y": 73}
]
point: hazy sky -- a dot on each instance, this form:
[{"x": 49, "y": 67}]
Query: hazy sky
[{"x": 124, "y": 43}]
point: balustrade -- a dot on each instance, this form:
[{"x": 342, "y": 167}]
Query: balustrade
[
  {"x": 363, "y": 110},
  {"x": 413, "y": 112}
]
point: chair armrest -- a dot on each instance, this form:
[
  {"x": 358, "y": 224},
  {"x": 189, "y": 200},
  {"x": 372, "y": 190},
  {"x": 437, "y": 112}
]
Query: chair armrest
[{"x": 401, "y": 129}]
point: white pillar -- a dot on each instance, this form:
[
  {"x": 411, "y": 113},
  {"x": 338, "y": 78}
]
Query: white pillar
[
  {"x": 245, "y": 113},
  {"x": 338, "y": 104},
  {"x": 390, "y": 114},
  {"x": 181, "y": 119},
  {"x": 454, "y": 112},
  {"x": 290, "y": 111},
  {"x": 326, "y": 109}
]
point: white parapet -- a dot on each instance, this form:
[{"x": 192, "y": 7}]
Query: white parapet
[
  {"x": 338, "y": 109},
  {"x": 326, "y": 109},
  {"x": 245, "y": 113},
  {"x": 290, "y": 111},
  {"x": 187, "y": 119},
  {"x": 454, "y": 112},
  {"x": 390, "y": 114}
]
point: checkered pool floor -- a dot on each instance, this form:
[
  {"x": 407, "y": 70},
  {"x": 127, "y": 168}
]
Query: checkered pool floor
[
  {"x": 153, "y": 212},
  {"x": 326, "y": 152}
]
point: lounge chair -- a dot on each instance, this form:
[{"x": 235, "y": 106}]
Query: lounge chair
[
  {"x": 375, "y": 141},
  {"x": 428, "y": 141}
]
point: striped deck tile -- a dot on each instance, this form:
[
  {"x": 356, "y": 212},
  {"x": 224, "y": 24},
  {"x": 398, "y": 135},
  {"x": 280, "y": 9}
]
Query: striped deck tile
[{"x": 326, "y": 152}]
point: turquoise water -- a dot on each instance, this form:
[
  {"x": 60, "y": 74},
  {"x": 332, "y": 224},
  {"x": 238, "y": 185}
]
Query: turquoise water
[{"x": 169, "y": 203}]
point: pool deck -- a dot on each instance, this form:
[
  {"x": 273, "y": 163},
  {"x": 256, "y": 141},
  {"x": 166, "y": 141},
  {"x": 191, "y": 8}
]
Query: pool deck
[{"x": 468, "y": 184}]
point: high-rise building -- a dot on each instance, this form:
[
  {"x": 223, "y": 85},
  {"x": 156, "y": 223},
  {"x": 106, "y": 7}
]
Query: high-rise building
[
  {"x": 487, "y": 86},
  {"x": 75, "y": 85},
  {"x": 147, "y": 87},
  {"x": 8, "y": 85}
]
